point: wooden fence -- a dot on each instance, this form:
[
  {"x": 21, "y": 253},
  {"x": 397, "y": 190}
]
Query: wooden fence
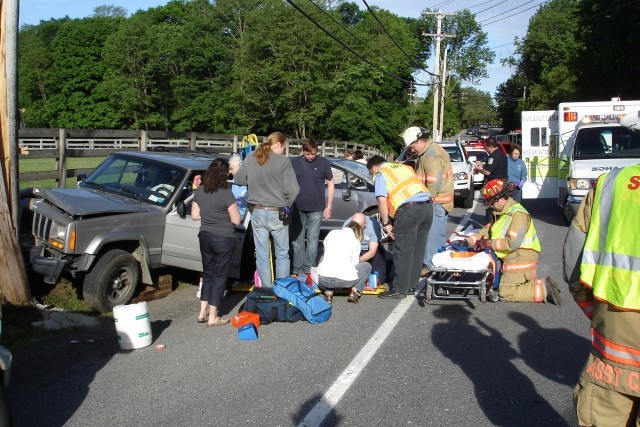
[{"x": 63, "y": 144}]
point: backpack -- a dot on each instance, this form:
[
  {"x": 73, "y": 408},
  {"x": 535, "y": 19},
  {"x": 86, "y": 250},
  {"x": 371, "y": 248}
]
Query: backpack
[
  {"x": 312, "y": 304},
  {"x": 271, "y": 309}
]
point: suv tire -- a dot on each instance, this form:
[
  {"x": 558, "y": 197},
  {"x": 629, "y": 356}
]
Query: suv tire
[{"x": 111, "y": 281}]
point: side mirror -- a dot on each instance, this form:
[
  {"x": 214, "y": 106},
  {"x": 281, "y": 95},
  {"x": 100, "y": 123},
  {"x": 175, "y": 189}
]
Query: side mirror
[
  {"x": 81, "y": 177},
  {"x": 346, "y": 194},
  {"x": 181, "y": 208}
]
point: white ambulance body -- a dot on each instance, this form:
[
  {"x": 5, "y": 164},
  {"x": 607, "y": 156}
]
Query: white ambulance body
[
  {"x": 542, "y": 172},
  {"x": 590, "y": 141}
]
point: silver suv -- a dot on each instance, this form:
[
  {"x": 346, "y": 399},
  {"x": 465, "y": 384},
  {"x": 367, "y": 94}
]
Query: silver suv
[{"x": 462, "y": 173}]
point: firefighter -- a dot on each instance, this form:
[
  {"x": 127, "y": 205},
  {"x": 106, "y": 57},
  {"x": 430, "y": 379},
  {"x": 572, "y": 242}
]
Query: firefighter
[
  {"x": 601, "y": 266},
  {"x": 512, "y": 237},
  {"x": 433, "y": 167}
]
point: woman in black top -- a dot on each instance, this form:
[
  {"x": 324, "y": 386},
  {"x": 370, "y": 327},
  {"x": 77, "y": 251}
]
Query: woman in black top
[{"x": 215, "y": 205}]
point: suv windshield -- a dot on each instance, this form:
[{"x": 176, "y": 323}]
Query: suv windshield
[
  {"x": 135, "y": 178},
  {"x": 604, "y": 142}
]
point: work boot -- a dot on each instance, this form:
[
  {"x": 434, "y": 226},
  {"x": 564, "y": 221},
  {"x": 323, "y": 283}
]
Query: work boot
[
  {"x": 425, "y": 271},
  {"x": 552, "y": 291}
]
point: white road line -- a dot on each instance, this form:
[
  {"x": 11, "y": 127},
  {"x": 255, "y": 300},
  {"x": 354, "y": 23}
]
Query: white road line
[
  {"x": 331, "y": 398},
  {"x": 465, "y": 219}
]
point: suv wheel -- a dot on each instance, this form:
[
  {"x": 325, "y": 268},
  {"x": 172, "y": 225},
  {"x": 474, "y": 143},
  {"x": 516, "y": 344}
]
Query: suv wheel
[{"x": 112, "y": 281}]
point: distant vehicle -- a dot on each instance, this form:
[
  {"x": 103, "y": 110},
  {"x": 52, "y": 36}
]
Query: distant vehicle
[
  {"x": 463, "y": 185},
  {"x": 480, "y": 155},
  {"x": 485, "y": 125},
  {"x": 473, "y": 130}
]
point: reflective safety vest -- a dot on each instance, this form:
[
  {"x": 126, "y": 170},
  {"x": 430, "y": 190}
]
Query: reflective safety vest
[
  {"x": 500, "y": 228},
  {"x": 611, "y": 255},
  {"x": 402, "y": 183}
]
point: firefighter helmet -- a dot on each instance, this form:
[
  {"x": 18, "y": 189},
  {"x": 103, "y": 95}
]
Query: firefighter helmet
[
  {"x": 412, "y": 134},
  {"x": 496, "y": 189}
]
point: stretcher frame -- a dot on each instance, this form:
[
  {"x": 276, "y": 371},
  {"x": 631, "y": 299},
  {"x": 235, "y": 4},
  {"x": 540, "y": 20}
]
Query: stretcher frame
[{"x": 448, "y": 283}]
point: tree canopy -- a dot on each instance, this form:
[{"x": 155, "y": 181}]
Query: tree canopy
[{"x": 241, "y": 66}]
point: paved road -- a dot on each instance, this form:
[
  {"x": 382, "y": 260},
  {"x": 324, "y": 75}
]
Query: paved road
[{"x": 378, "y": 362}]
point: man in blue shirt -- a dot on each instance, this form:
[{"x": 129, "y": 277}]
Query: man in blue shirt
[
  {"x": 310, "y": 207},
  {"x": 372, "y": 250}
]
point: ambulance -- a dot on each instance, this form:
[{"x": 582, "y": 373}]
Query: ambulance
[{"x": 582, "y": 140}]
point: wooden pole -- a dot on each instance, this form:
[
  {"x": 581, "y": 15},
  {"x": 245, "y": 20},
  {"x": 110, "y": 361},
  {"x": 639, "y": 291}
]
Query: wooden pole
[{"x": 13, "y": 277}]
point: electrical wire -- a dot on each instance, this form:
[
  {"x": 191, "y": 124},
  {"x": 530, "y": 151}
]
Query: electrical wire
[
  {"x": 507, "y": 11},
  {"x": 382, "y": 70},
  {"x": 476, "y": 5},
  {"x": 517, "y": 13},
  {"x": 441, "y": 4},
  {"x": 419, "y": 66},
  {"x": 365, "y": 44},
  {"x": 491, "y": 7}
]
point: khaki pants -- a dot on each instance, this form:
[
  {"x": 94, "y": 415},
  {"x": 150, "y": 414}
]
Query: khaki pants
[
  {"x": 601, "y": 407},
  {"x": 519, "y": 286}
]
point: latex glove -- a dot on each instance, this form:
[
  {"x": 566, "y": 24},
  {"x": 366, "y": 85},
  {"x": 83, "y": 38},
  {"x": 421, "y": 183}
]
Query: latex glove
[
  {"x": 462, "y": 243},
  {"x": 484, "y": 244},
  {"x": 521, "y": 183}
]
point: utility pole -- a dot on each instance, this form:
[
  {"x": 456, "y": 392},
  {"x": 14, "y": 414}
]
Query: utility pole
[
  {"x": 443, "y": 88},
  {"x": 437, "y": 79}
]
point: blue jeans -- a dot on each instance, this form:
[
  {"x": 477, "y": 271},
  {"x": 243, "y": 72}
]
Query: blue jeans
[
  {"x": 305, "y": 223},
  {"x": 267, "y": 223},
  {"x": 216, "y": 254},
  {"x": 436, "y": 238}
]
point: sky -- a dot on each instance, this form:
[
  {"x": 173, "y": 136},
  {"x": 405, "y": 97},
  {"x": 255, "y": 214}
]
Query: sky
[{"x": 501, "y": 34}]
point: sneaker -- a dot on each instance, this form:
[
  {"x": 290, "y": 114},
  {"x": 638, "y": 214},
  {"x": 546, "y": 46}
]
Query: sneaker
[
  {"x": 553, "y": 291},
  {"x": 391, "y": 294}
]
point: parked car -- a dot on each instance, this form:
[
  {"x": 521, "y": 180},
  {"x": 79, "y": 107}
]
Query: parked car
[
  {"x": 480, "y": 155},
  {"x": 463, "y": 186},
  {"x": 130, "y": 216}
]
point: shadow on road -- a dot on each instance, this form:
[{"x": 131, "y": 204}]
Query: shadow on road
[
  {"x": 505, "y": 394},
  {"x": 545, "y": 210},
  {"x": 558, "y": 354},
  {"x": 332, "y": 418}
]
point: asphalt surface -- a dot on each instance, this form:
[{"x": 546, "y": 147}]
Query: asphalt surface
[{"x": 441, "y": 363}]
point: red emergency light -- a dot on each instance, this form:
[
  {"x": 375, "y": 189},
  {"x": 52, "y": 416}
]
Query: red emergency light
[{"x": 570, "y": 116}]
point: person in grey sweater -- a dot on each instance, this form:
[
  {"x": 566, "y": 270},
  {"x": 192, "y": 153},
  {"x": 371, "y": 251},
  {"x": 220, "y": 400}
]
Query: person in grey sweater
[{"x": 272, "y": 187}]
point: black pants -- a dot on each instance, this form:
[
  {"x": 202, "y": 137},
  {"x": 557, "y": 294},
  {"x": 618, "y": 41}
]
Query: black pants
[
  {"x": 379, "y": 263},
  {"x": 411, "y": 229},
  {"x": 216, "y": 254}
]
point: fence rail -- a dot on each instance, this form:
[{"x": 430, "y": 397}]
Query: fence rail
[{"x": 63, "y": 144}]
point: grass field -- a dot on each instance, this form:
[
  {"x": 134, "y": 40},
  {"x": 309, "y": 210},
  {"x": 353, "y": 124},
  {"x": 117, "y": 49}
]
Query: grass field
[{"x": 39, "y": 165}]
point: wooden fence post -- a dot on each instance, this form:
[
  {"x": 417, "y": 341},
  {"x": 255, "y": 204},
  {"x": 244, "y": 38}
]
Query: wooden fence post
[
  {"x": 61, "y": 161},
  {"x": 144, "y": 140}
]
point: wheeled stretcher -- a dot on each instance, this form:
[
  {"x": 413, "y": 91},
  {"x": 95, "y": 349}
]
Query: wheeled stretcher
[{"x": 460, "y": 275}]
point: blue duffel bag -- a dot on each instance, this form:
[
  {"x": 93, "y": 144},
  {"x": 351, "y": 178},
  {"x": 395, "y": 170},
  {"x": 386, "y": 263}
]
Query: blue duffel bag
[{"x": 312, "y": 304}]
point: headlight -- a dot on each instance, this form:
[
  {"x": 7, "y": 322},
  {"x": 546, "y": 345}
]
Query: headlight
[
  {"x": 460, "y": 176},
  {"x": 580, "y": 183},
  {"x": 57, "y": 235}
]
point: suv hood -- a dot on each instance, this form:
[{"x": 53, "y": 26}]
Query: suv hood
[{"x": 76, "y": 201}]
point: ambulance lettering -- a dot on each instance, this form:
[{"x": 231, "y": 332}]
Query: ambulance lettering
[{"x": 603, "y": 168}]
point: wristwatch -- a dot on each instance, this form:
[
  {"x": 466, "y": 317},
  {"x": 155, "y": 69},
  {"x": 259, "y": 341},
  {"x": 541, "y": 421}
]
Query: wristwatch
[{"x": 386, "y": 223}]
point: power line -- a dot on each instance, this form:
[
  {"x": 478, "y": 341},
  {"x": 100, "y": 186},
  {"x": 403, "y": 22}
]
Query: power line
[
  {"x": 441, "y": 4},
  {"x": 507, "y": 44},
  {"x": 479, "y": 4},
  {"x": 491, "y": 7},
  {"x": 419, "y": 66},
  {"x": 517, "y": 13},
  {"x": 507, "y": 11},
  {"x": 382, "y": 70}
]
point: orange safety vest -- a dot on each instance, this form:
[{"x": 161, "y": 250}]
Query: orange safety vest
[{"x": 402, "y": 183}]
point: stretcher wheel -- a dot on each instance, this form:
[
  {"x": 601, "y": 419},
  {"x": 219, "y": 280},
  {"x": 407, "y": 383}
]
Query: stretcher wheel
[
  {"x": 428, "y": 292},
  {"x": 493, "y": 296}
]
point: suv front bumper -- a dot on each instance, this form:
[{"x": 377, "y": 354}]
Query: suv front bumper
[{"x": 48, "y": 267}]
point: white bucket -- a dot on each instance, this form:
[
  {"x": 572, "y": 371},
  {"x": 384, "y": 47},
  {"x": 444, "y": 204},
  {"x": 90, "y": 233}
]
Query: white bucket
[{"x": 133, "y": 326}]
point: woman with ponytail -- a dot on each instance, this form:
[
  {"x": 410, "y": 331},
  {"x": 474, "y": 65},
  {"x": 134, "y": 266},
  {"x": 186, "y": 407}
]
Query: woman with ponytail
[{"x": 272, "y": 187}]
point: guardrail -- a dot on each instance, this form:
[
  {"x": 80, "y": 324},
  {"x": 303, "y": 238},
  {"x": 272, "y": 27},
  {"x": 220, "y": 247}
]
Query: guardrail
[{"x": 63, "y": 144}]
